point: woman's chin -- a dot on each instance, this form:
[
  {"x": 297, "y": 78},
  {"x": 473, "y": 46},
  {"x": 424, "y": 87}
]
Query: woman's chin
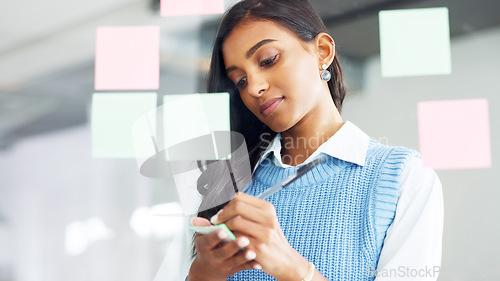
[{"x": 279, "y": 127}]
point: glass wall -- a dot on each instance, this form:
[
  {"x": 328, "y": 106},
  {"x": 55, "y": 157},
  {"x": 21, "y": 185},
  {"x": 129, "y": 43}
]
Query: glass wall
[{"x": 74, "y": 204}]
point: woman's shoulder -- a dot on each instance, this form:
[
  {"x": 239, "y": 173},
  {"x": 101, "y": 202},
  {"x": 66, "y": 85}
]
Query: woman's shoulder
[
  {"x": 390, "y": 153},
  {"x": 404, "y": 165}
]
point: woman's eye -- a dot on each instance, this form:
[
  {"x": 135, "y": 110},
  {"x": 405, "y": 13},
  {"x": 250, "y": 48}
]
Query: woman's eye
[
  {"x": 241, "y": 82},
  {"x": 268, "y": 61}
]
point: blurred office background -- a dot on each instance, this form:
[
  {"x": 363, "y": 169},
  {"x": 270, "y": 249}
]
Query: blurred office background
[{"x": 65, "y": 215}]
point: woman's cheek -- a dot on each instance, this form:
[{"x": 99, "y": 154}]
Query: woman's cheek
[{"x": 247, "y": 101}]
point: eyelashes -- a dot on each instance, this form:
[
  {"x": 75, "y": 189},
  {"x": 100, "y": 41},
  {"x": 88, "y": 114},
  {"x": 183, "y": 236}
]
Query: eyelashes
[
  {"x": 241, "y": 82},
  {"x": 269, "y": 61},
  {"x": 265, "y": 63}
]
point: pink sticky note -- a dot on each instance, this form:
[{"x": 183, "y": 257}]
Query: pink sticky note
[
  {"x": 170, "y": 8},
  {"x": 455, "y": 134},
  {"x": 127, "y": 58}
]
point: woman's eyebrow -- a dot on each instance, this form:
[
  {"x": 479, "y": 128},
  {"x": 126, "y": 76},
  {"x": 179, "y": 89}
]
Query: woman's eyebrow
[
  {"x": 251, "y": 51},
  {"x": 257, "y": 46}
]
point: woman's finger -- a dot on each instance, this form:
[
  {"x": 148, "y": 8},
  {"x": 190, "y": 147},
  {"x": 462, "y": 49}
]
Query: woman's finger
[
  {"x": 199, "y": 221},
  {"x": 247, "y": 265},
  {"x": 257, "y": 202},
  {"x": 210, "y": 241},
  {"x": 247, "y": 227},
  {"x": 245, "y": 259},
  {"x": 231, "y": 256},
  {"x": 242, "y": 206},
  {"x": 232, "y": 248}
]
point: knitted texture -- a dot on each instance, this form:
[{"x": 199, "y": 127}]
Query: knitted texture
[{"x": 336, "y": 215}]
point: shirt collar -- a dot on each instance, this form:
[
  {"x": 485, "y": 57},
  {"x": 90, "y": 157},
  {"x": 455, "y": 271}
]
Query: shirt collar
[{"x": 349, "y": 143}]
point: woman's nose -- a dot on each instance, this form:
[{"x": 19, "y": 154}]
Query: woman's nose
[{"x": 257, "y": 85}]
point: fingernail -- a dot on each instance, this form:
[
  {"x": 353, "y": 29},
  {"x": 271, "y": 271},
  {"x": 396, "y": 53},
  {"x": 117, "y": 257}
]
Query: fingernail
[
  {"x": 222, "y": 234},
  {"x": 257, "y": 266},
  {"x": 214, "y": 219},
  {"x": 250, "y": 255},
  {"x": 243, "y": 242},
  {"x": 191, "y": 220}
]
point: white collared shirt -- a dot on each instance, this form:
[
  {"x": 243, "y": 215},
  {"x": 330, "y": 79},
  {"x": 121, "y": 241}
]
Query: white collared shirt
[{"x": 413, "y": 243}]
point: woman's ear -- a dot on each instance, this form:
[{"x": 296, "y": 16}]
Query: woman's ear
[{"x": 325, "y": 47}]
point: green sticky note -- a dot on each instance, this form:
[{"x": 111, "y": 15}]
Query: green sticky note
[
  {"x": 216, "y": 107},
  {"x": 415, "y": 42},
  {"x": 144, "y": 134},
  {"x": 209, "y": 229},
  {"x": 190, "y": 121},
  {"x": 113, "y": 117},
  {"x": 184, "y": 118}
]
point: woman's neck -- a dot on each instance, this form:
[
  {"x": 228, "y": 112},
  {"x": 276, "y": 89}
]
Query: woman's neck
[{"x": 301, "y": 141}]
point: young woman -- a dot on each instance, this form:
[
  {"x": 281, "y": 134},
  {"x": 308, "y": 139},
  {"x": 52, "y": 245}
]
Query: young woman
[{"x": 368, "y": 210}]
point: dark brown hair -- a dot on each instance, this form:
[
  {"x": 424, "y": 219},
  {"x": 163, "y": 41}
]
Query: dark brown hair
[{"x": 297, "y": 16}]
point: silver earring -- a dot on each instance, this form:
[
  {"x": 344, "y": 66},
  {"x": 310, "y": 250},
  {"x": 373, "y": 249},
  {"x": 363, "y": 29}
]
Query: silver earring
[{"x": 325, "y": 74}]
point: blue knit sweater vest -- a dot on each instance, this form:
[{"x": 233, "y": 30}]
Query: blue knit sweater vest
[{"x": 336, "y": 215}]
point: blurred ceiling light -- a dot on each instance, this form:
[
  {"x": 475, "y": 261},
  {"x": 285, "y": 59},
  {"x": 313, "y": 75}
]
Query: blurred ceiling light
[
  {"x": 159, "y": 221},
  {"x": 80, "y": 234}
]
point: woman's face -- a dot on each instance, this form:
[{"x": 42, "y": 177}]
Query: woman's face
[{"x": 277, "y": 74}]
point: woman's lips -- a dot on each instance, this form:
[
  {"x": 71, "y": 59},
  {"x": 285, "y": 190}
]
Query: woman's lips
[{"x": 269, "y": 106}]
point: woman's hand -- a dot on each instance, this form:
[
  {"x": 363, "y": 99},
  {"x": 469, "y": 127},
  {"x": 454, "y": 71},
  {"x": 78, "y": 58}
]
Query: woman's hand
[
  {"x": 256, "y": 219},
  {"x": 217, "y": 260}
]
